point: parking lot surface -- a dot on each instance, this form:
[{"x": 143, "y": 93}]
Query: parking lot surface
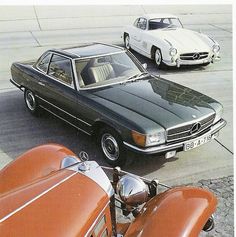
[
  {"x": 49, "y": 27},
  {"x": 26, "y": 32}
]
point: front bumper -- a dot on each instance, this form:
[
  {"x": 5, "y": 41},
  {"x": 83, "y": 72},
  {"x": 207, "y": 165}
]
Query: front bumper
[
  {"x": 176, "y": 146},
  {"x": 178, "y": 62}
]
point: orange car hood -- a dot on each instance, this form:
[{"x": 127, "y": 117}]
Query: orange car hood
[{"x": 62, "y": 204}]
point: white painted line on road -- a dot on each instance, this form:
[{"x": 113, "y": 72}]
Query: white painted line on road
[{"x": 3, "y": 90}]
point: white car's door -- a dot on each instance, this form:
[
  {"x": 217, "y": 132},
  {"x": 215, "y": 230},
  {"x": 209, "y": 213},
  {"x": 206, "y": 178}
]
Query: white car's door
[{"x": 136, "y": 35}]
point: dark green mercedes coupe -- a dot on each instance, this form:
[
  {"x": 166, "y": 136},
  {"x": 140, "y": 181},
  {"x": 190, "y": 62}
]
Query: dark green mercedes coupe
[{"x": 104, "y": 91}]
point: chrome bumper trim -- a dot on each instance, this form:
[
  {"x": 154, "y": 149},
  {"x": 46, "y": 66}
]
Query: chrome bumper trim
[
  {"x": 164, "y": 148},
  {"x": 16, "y": 84},
  {"x": 178, "y": 62}
]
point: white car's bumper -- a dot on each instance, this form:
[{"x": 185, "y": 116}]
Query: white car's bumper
[{"x": 178, "y": 61}]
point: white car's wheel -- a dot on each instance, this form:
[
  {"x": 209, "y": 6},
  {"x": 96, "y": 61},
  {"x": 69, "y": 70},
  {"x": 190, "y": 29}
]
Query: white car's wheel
[
  {"x": 127, "y": 41},
  {"x": 158, "y": 57}
]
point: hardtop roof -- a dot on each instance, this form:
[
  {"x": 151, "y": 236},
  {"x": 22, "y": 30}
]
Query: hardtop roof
[{"x": 88, "y": 50}]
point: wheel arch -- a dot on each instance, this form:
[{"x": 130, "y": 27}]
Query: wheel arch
[
  {"x": 153, "y": 50},
  {"x": 99, "y": 124},
  {"x": 125, "y": 33}
]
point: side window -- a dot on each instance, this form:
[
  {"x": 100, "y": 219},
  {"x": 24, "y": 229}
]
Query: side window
[
  {"x": 43, "y": 63},
  {"x": 142, "y": 23},
  {"x": 165, "y": 20},
  {"x": 136, "y": 22},
  {"x": 60, "y": 68}
]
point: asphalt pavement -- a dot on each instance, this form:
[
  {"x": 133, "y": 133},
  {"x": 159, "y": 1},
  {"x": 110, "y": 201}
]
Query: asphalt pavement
[
  {"x": 27, "y": 31},
  {"x": 48, "y": 27}
]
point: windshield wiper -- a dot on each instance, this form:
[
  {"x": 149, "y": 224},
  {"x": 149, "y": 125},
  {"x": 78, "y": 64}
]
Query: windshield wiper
[{"x": 137, "y": 76}]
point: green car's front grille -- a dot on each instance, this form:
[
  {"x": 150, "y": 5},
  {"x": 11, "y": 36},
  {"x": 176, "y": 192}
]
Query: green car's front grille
[{"x": 184, "y": 131}]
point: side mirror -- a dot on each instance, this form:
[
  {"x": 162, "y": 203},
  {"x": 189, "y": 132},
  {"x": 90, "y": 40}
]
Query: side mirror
[{"x": 144, "y": 65}]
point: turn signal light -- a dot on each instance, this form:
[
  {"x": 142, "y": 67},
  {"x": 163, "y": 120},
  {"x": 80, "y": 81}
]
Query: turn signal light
[{"x": 139, "y": 139}]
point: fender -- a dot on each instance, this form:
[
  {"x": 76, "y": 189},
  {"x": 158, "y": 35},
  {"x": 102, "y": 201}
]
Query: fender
[
  {"x": 178, "y": 212},
  {"x": 33, "y": 164}
]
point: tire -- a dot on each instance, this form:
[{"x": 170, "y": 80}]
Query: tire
[
  {"x": 127, "y": 41},
  {"x": 112, "y": 147},
  {"x": 31, "y": 102},
  {"x": 158, "y": 58}
]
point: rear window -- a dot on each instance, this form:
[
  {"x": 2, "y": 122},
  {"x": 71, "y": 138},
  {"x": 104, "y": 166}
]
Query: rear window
[
  {"x": 60, "y": 68},
  {"x": 44, "y": 62}
]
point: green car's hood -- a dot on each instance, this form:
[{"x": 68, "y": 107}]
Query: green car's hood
[{"x": 161, "y": 101}]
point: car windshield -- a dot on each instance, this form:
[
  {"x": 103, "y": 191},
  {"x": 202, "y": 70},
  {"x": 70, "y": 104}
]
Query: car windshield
[
  {"x": 107, "y": 69},
  {"x": 163, "y": 23}
]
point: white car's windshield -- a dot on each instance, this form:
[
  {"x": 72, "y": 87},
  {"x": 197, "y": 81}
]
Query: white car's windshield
[
  {"x": 104, "y": 70},
  {"x": 162, "y": 23}
]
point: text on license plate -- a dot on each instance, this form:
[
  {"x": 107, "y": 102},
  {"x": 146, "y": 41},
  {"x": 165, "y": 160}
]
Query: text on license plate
[{"x": 197, "y": 142}]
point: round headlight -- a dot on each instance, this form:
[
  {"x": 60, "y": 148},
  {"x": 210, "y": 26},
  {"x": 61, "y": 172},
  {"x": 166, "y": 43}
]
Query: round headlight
[
  {"x": 173, "y": 51},
  {"x": 132, "y": 190},
  {"x": 216, "y": 48}
]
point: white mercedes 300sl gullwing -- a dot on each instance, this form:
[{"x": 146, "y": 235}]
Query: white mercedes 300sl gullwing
[{"x": 162, "y": 37}]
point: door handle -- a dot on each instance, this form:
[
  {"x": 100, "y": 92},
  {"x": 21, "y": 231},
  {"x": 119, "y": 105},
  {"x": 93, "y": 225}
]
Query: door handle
[{"x": 41, "y": 83}]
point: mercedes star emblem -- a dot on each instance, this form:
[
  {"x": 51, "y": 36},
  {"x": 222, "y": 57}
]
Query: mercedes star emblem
[
  {"x": 83, "y": 156},
  {"x": 196, "y": 56},
  {"x": 195, "y": 128}
]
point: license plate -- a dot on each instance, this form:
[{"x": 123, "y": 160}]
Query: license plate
[{"x": 197, "y": 142}]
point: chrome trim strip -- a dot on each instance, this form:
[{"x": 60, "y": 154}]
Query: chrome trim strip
[
  {"x": 63, "y": 111},
  {"x": 64, "y": 120},
  {"x": 15, "y": 83},
  {"x": 36, "y": 198},
  {"x": 96, "y": 220},
  {"x": 111, "y": 45},
  {"x": 166, "y": 147},
  {"x": 75, "y": 75},
  {"x": 55, "y": 106}
]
